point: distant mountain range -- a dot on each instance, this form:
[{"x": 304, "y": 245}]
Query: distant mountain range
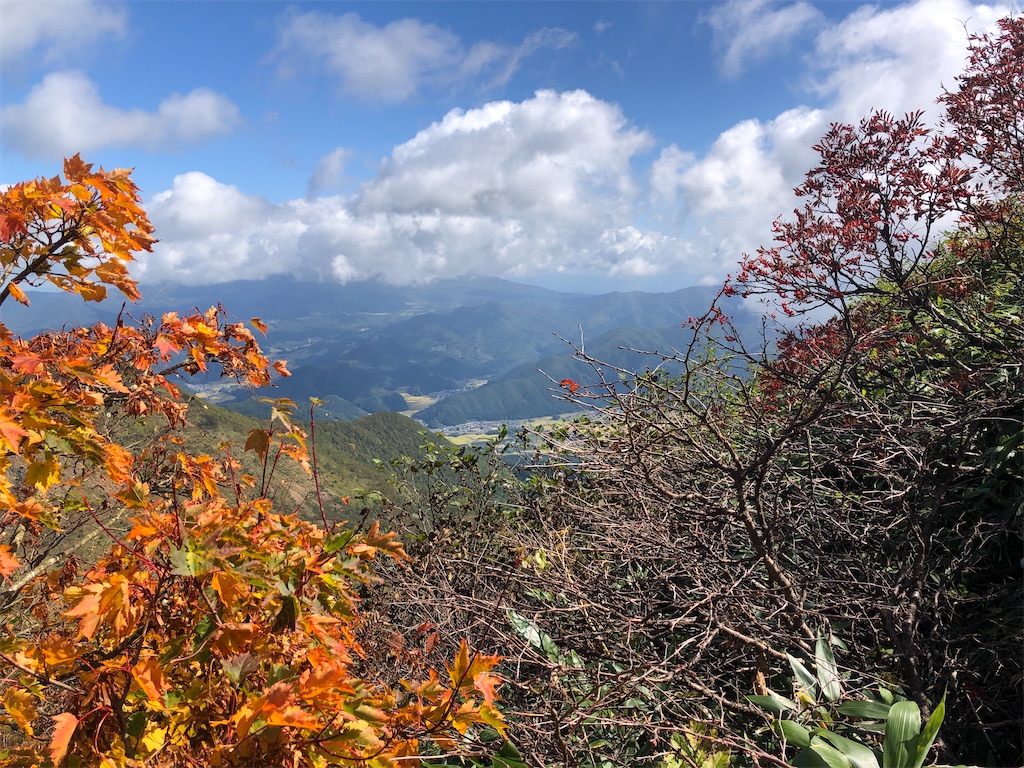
[{"x": 480, "y": 349}]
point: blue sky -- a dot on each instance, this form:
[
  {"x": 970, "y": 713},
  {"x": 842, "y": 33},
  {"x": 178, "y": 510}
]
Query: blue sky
[{"x": 580, "y": 145}]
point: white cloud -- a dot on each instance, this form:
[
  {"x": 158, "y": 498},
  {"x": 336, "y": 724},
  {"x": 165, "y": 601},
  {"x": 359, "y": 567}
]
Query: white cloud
[
  {"x": 549, "y": 153},
  {"x": 745, "y": 181},
  {"x": 750, "y": 30},
  {"x": 667, "y": 171},
  {"x": 65, "y": 114},
  {"x": 513, "y": 189},
  {"x": 894, "y": 57},
  {"x": 897, "y": 57},
  {"x": 547, "y": 185},
  {"x": 393, "y": 62},
  {"x": 213, "y": 232},
  {"x": 44, "y": 29},
  {"x": 329, "y": 171}
]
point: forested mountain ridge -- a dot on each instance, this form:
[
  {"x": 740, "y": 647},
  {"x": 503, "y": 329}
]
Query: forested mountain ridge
[{"x": 360, "y": 348}]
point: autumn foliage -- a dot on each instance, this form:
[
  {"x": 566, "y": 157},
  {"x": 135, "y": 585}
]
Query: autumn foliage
[{"x": 220, "y": 630}]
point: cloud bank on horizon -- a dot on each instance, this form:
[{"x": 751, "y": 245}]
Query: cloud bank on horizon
[{"x": 554, "y": 180}]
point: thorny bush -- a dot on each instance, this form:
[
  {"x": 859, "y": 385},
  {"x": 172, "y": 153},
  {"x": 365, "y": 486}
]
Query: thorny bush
[{"x": 855, "y": 471}]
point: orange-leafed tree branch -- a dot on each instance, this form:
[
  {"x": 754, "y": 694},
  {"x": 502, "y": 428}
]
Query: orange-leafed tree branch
[{"x": 218, "y": 630}]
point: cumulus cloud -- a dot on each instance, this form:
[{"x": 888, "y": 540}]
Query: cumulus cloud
[
  {"x": 746, "y": 31},
  {"x": 393, "y": 62},
  {"x": 65, "y": 114},
  {"x": 746, "y": 178},
  {"x": 44, "y": 29},
  {"x": 667, "y": 171},
  {"x": 329, "y": 172},
  {"x": 548, "y": 184},
  {"x": 511, "y": 188},
  {"x": 891, "y": 57},
  {"x": 897, "y": 57}
]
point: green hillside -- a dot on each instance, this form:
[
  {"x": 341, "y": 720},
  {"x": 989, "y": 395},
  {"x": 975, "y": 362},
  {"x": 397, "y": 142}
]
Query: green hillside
[
  {"x": 530, "y": 390},
  {"x": 346, "y": 453}
]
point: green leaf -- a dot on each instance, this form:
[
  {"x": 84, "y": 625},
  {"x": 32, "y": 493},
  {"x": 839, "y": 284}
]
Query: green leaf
[
  {"x": 337, "y": 541},
  {"x": 524, "y": 628},
  {"x": 833, "y": 757},
  {"x": 508, "y": 756},
  {"x": 238, "y": 667},
  {"x": 795, "y": 733},
  {"x": 173, "y": 699},
  {"x": 773, "y": 703},
  {"x": 806, "y": 680},
  {"x": 859, "y": 755},
  {"x": 807, "y": 758},
  {"x": 136, "y": 724},
  {"x": 931, "y": 729},
  {"x": 187, "y": 562},
  {"x": 901, "y": 732},
  {"x": 872, "y": 710},
  {"x": 828, "y": 672},
  {"x": 820, "y": 755},
  {"x": 535, "y": 637}
]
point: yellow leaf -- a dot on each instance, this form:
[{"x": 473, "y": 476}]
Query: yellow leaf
[
  {"x": 245, "y": 717},
  {"x": 21, "y": 705},
  {"x": 57, "y": 650},
  {"x": 258, "y": 442},
  {"x": 371, "y": 714},
  {"x": 459, "y": 672},
  {"x": 199, "y": 357},
  {"x": 86, "y": 608},
  {"x": 154, "y": 739},
  {"x": 492, "y": 717},
  {"x": 319, "y": 680},
  {"x": 92, "y": 292},
  {"x": 42, "y": 474}
]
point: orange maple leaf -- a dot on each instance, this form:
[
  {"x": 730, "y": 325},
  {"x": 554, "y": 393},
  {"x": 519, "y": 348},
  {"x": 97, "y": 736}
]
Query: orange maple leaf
[
  {"x": 11, "y": 431},
  {"x": 150, "y": 677},
  {"x": 63, "y": 732},
  {"x": 470, "y": 671},
  {"x": 485, "y": 683},
  {"x": 166, "y": 346},
  {"x": 8, "y": 562}
]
